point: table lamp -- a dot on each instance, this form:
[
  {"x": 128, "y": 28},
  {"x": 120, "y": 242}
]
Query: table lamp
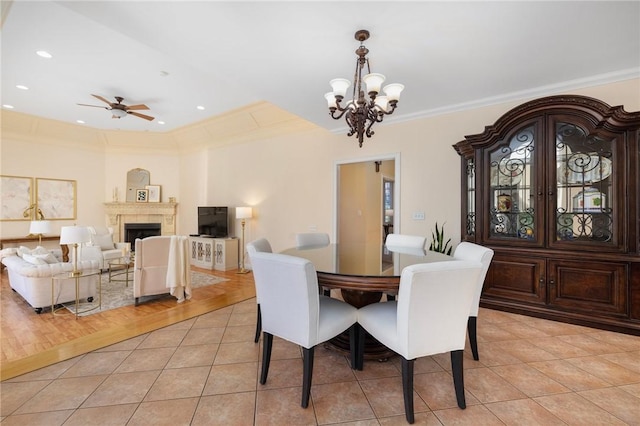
[
  {"x": 75, "y": 235},
  {"x": 39, "y": 227},
  {"x": 243, "y": 213}
]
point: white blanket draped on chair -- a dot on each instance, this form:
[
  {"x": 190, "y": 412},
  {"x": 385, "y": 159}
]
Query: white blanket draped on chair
[{"x": 178, "y": 270}]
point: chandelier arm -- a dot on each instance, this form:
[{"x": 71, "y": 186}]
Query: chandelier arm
[
  {"x": 342, "y": 111},
  {"x": 393, "y": 108}
]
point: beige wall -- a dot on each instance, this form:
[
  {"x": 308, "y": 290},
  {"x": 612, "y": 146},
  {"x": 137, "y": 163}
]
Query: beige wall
[{"x": 288, "y": 179}]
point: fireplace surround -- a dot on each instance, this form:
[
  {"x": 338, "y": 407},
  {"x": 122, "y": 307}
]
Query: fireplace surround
[{"x": 119, "y": 214}]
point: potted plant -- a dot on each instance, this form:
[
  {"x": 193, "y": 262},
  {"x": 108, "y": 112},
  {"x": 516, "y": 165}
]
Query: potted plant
[{"x": 437, "y": 241}]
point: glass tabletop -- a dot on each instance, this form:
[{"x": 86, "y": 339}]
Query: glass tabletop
[
  {"x": 82, "y": 273},
  {"x": 365, "y": 260}
]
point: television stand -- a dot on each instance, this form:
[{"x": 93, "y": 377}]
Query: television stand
[{"x": 214, "y": 253}]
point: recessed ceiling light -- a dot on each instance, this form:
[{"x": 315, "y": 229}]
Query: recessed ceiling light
[
  {"x": 7, "y": 106},
  {"x": 160, "y": 122},
  {"x": 44, "y": 54},
  {"x": 200, "y": 107},
  {"x": 80, "y": 121},
  {"x": 22, "y": 87}
]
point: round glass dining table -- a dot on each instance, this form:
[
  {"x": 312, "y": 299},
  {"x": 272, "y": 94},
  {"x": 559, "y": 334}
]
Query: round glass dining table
[
  {"x": 363, "y": 273},
  {"x": 363, "y": 267}
]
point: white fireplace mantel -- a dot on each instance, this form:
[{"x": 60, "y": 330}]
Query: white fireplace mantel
[{"x": 120, "y": 213}]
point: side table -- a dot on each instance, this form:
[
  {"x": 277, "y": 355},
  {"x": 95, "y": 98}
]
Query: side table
[
  {"x": 121, "y": 266},
  {"x": 60, "y": 278}
]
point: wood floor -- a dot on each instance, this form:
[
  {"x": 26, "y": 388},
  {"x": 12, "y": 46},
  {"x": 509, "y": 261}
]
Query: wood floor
[{"x": 29, "y": 341}]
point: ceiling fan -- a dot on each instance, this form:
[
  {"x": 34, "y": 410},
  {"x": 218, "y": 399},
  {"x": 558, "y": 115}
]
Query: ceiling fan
[{"x": 119, "y": 110}]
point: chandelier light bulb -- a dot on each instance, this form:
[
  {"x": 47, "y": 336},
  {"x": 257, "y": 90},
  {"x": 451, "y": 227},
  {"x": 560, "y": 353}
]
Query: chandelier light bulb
[
  {"x": 340, "y": 86},
  {"x": 393, "y": 91},
  {"x": 382, "y": 102},
  {"x": 374, "y": 82},
  {"x": 331, "y": 100}
]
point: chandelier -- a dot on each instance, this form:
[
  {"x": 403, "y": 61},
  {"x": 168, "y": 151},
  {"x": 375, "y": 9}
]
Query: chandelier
[{"x": 362, "y": 112}]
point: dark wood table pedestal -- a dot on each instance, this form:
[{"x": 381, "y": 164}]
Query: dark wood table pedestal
[{"x": 351, "y": 290}]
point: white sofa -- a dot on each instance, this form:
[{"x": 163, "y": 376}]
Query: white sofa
[
  {"x": 33, "y": 281},
  {"x": 101, "y": 248}
]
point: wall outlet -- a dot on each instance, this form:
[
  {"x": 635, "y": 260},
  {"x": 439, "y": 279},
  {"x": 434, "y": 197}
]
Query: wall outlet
[
  {"x": 418, "y": 215},
  {"x": 313, "y": 228}
]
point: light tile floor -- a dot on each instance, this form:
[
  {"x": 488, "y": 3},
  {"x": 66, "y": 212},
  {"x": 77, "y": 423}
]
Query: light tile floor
[{"x": 204, "y": 371}]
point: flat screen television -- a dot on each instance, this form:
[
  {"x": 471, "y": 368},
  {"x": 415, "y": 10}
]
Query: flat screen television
[{"x": 213, "y": 222}]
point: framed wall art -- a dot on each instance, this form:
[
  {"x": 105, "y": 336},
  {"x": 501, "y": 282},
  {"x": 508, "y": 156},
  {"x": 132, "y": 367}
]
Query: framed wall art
[
  {"x": 142, "y": 195},
  {"x": 154, "y": 193},
  {"x": 16, "y": 193},
  {"x": 56, "y": 198}
]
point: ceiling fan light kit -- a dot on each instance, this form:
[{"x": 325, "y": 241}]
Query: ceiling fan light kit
[
  {"x": 119, "y": 110},
  {"x": 362, "y": 112}
]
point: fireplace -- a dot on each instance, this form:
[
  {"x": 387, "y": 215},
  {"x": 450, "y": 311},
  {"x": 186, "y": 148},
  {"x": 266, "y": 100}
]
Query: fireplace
[
  {"x": 156, "y": 214},
  {"x": 132, "y": 231}
]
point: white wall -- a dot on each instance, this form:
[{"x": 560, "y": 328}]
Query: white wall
[
  {"x": 30, "y": 158},
  {"x": 289, "y": 180}
]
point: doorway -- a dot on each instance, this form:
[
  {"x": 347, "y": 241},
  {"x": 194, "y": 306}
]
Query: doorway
[{"x": 361, "y": 203}]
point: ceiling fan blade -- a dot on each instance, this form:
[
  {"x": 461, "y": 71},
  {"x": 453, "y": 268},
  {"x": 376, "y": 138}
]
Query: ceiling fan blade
[
  {"x": 146, "y": 117},
  {"x": 102, "y": 99},
  {"x": 134, "y": 107},
  {"x": 95, "y": 106}
]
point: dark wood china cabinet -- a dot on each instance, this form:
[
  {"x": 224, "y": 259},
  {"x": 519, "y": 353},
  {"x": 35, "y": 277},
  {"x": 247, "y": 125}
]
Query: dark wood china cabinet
[{"x": 552, "y": 186}]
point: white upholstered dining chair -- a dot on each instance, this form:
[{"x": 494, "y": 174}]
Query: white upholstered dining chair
[
  {"x": 429, "y": 317},
  {"x": 405, "y": 241},
  {"x": 477, "y": 253},
  {"x": 314, "y": 240},
  {"x": 293, "y": 310},
  {"x": 261, "y": 245}
]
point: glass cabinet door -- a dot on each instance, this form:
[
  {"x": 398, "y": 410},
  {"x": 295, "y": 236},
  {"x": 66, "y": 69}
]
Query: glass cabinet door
[
  {"x": 512, "y": 176},
  {"x": 585, "y": 194}
]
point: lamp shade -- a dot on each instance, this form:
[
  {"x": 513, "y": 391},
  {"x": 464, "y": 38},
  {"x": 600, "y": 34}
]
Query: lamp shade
[
  {"x": 40, "y": 227},
  {"x": 374, "y": 82},
  {"x": 340, "y": 86},
  {"x": 74, "y": 235},
  {"x": 243, "y": 212},
  {"x": 393, "y": 91}
]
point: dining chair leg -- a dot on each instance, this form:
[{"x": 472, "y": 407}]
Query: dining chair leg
[
  {"x": 307, "y": 359},
  {"x": 407, "y": 388},
  {"x": 359, "y": 330},
  {"x": 458, "y": 377},
  {"x": 267, "y": 343},
  {"x": 472, "y": 323},
  {"x": 354, "y": 333},
  {"x": 258, "y": 325}
]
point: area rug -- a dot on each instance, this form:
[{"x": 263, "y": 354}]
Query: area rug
[{"x": 116, "y": 294}]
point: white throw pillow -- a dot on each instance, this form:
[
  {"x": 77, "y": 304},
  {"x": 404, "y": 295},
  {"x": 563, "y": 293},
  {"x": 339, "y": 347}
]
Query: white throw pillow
[
  {"x": 48, "y": 258},
  {"x": 33, "y": 259},
  {"x": 22, "y": 250},
  {"x": 105, "y": 241},
  {"x": 40, "y": 250}
]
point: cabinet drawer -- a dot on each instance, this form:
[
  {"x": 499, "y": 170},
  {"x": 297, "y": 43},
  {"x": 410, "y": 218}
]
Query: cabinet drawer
[{"x": 590, "y": 287}]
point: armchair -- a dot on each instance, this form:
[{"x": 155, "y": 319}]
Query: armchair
[{"x": 101, "y": 248}]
